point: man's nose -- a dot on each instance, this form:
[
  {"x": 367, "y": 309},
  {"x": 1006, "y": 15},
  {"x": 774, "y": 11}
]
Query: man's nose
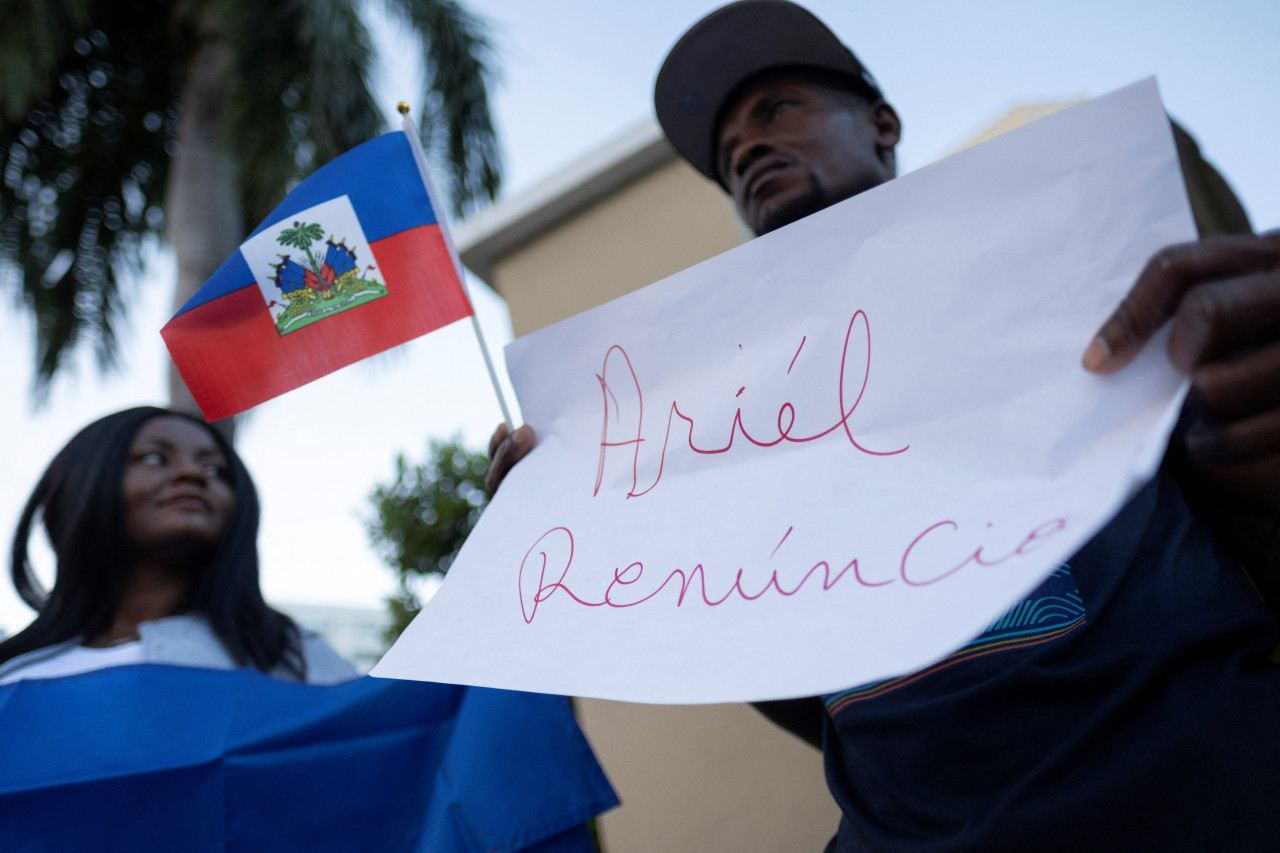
[{"x": 747, "y": 152}]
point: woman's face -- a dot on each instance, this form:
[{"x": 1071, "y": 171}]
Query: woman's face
[{"x": 177, "y": 487}]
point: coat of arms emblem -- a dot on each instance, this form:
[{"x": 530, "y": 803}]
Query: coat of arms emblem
[
  {"x": 323, "y": 283},
  {"x": 326, "y": 267}
]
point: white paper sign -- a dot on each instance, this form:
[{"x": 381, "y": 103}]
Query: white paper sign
[{"x": 834, "y": 454}]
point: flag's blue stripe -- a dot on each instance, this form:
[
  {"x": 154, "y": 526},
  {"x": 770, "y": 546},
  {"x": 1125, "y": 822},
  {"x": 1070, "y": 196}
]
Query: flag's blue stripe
[
  {"x": 384, "y": 207},
  {"x": 230, "y": 277}
]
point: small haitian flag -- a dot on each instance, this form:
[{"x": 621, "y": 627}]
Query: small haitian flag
[{"x": 351, "y": 263}]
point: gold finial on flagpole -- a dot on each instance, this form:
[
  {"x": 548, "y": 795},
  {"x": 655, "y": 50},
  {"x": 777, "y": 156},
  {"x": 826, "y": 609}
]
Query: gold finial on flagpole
[{"x": 403, "y": 107}]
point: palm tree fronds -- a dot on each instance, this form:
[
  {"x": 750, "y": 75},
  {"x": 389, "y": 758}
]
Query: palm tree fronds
[
  {"x": 90, "y": 105},
  {"x": 83, "y": 178},
  {"x": 455, "y": 120},
  {"x": 33, "y": 43},
  {"x": 297, "y": 93}
]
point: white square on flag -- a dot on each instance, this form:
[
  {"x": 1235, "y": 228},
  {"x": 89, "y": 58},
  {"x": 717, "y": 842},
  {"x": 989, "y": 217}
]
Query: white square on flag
[{"x": 301, "y": 264}]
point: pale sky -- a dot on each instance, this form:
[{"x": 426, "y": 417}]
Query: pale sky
[{"x": 575, "y": 74}]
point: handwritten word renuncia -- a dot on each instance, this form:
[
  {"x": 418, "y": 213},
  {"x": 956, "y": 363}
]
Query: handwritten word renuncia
[
  {"x": 614, "y": 436},
  {"x": 544, "y": 571}
]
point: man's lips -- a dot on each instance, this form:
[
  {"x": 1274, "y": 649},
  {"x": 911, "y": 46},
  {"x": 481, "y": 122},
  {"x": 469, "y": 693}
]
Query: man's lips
[{"x": 760, "y": 173}]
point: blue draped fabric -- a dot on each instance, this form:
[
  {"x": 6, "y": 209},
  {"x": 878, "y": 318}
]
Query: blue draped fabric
[{"x": 156, "y": 757}]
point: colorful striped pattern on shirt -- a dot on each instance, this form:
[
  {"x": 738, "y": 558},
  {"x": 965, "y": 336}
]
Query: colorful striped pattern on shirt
[{"x": 1053, "y": 610}]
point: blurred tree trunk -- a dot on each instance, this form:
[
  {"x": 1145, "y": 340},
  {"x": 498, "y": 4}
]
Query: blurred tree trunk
[{"x": 203, "y": 220}]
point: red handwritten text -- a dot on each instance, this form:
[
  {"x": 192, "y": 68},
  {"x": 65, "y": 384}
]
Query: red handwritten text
[
  {"x": 544, "y": 571},
  {"x": 633, "y": 436}
]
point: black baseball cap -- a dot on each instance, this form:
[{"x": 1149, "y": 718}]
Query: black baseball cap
[{"x": 728, "y": 47}]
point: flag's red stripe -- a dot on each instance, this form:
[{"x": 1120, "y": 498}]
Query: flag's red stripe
[{"x": 232, "y": 358}]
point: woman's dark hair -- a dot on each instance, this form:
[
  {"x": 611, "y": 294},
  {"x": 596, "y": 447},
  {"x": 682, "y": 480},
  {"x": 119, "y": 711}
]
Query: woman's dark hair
[{"x": 80, "y": 501}]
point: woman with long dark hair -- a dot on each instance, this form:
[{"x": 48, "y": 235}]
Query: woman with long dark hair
[{"x": 153, "y": 520}]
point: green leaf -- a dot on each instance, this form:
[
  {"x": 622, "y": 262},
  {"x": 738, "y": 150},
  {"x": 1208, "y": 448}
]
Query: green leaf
[
  {"x": 423, "y": 516},
  {"x": 301, "y": 235}
]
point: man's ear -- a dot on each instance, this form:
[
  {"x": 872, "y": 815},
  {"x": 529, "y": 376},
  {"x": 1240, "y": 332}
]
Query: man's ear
[
  {"x": 888, "y": 131},
  {"x": 888, "y": 125}
]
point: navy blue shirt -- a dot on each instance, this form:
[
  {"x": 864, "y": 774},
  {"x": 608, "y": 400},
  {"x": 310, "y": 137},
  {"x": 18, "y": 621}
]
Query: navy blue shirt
[{"x": 1127, "y": 704}]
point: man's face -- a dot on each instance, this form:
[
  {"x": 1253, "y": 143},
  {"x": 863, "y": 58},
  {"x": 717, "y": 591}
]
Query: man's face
[{"x": 789, "y": 145}]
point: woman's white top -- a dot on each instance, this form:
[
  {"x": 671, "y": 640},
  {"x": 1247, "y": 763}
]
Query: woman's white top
[
  {"x": 185, "y": 640},
  {"x": 78, "y": 659}
]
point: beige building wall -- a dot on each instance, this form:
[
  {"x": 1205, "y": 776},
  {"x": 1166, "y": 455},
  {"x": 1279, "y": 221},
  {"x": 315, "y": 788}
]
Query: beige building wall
[
  {"x": 707, "y": 778},
  {"x": 654, "y": 226}
]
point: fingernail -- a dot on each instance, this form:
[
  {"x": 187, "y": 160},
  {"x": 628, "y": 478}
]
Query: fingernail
[{"x": 1097, "y": 354}]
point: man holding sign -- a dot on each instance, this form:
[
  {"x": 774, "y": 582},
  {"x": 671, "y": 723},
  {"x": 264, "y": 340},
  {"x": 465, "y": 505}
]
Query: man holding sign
[{"x": 1128, "y": 703}]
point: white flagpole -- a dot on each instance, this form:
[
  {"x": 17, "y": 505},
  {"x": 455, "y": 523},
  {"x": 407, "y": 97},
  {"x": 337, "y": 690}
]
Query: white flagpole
[{"x": 420, "y": 157}]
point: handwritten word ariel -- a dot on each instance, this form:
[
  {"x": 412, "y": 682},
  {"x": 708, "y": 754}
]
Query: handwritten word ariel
[
  {"x": 544, "y": 571},
  {"x": 632, "y": 435}
]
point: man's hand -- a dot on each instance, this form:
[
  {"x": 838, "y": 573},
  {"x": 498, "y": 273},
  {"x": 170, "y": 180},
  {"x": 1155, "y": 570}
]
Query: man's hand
[
  {"x": 1223, "y": 296},
  {"x": 506, "y": 448}
]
